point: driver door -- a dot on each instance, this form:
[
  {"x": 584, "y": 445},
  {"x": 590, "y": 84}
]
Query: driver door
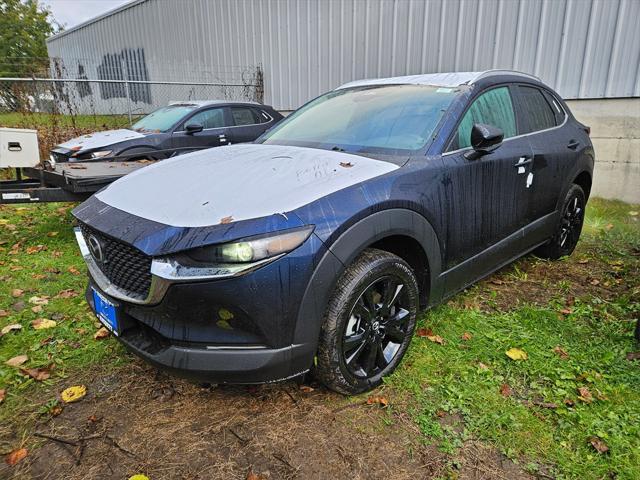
[
  {"x": 215, "y": 131},
  {"x": 488, "y": 195}
]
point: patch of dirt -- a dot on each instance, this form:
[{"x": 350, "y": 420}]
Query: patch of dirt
[
  {"x": 140, "y": 421},
  {"x": 534, "y": 281}
]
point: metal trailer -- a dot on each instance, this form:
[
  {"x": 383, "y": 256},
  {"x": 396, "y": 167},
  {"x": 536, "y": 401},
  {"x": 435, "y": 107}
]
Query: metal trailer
[{"x": 66, "y": 182}]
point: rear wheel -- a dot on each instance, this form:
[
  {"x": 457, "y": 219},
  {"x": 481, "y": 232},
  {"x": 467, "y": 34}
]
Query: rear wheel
[
  {"x": 368, "y": 323},
  {"x": 567, "y": 235}
]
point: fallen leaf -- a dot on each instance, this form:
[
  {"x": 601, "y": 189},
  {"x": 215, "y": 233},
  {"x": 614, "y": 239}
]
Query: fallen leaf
[
  {"x": 17, "y": 360},
  {"x": 3, "y": 393},
  {"x": 561, "y": 352},
  {"x": 516, "y": 354},
  {"x": 376, "y": 400},
  {"x": 250, "y": 476},
  {"x": 16, "y": 292},
  {"x": 37, "y": 309},
  {"x": 599, "y": 444},
  {"x": 35, "y": 249},
  {"x": 228, "y": 219},
  {"x": 56, "y": 410},
  {"x": 482, "y": 366},
  {"x": 73, "y": 271},
  {"x": 140, "y": 476},
  {"x": 566, "y": 311},
  {"x": 424, "y": 332},
  {"x": 68, "y": 293},
  {"x": 633, "y": 213},
  {"x": 101, "y": 333},
  {"x": 306, "y": 388},
  {"x": 568, "y": 402},
  {"x": 73, "y": 394},
  {"x": 505, "y": 390},
  {"x": 630, "y": 355},
  {"x": 18, "y": 306},
  {"x": 43, "y": 323},
  {"x": 15, "y": 456},
  {"x": 440, "y": 413},
  {"x": 4, "y": 313},
  {"x": 346, "y": 164},
  {"x": 585, "y": 395},
  {"x": 466, "y": 336},
  {"x": 52, "y": 234},
  {"x": 38, "y": 374},
  {"x": 10, "y": 328},
  {"x": 595, "y": 282},
  {"x": 436, "y": 339},
  {"x": 39, "y": 300},
  {"x": 583, "y": 261},
  {"x": 609, "y": 226}
]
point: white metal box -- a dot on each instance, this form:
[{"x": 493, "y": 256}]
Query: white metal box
[{"x": 18, "y": 148}]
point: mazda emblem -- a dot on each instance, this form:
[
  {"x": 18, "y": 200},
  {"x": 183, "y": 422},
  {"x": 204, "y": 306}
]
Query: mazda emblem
[{"x": 96, "y": 249}]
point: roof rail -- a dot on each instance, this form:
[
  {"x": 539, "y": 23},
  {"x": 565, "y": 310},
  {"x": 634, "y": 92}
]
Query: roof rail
[{"x": 498, "y": 71}]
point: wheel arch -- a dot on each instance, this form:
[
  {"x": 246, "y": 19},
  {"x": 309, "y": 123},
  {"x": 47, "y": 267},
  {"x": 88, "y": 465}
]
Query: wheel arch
[
  {"x": 584, "y": 181},
  {"x": 400, "y": 231}
]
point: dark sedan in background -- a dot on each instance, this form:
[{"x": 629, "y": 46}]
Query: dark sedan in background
[{"x": 172, "y": 130}]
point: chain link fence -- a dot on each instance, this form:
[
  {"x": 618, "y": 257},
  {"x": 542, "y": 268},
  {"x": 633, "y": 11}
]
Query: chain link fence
[{"x": 62, "y": 108}]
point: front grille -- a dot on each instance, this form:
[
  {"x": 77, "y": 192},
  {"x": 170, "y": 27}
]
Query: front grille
[{"x": 125, "y": 266}]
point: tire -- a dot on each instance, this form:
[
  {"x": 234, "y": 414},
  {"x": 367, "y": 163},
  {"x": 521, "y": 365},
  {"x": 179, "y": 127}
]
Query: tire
[
  {"x": 567, "y": 234},
  {"x": 357, "y": 349}
]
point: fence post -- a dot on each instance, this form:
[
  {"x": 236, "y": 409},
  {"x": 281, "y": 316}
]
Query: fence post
[{"x": 129, "y": 102}]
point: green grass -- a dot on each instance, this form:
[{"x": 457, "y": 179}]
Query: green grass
[
  {"x": 45, "y": 120},
  {"x": 465, "y": 377},
  {"x": 69, "y": 346},
  {"x": 433, "y": 378}
]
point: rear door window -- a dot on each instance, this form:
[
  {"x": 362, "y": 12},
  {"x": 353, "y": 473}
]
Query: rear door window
[
  {"x": 244, "y": 116},
  {"x": 536, "y": 112},
  {"x": 493, "y": 107}
]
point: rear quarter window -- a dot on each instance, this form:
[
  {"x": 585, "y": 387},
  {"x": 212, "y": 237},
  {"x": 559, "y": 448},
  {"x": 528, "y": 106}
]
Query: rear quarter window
[{"x": 537, "y": 114}]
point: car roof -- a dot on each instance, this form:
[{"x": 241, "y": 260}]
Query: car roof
[
  {"x": 206, "y": 103},
  {"x": 445, "y": 79}
]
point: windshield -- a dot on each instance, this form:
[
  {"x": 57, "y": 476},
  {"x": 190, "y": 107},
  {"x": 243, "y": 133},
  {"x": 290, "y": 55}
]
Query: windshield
[
  {"x": 391, "y": 119},
  {"x": 163, "y": 119}
]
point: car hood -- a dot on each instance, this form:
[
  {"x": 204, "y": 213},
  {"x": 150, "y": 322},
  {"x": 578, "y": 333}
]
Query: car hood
[
  {"x": 234, "y": 183},
  {"x": 99, "y": 139}
]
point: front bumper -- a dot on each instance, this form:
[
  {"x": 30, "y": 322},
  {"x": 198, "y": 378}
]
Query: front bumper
[{"x": 238, "y": 329}]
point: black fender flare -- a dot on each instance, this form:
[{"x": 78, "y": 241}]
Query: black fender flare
[
  {"x": 341, "y": 253},
  {"x": 131, "y": 152}
]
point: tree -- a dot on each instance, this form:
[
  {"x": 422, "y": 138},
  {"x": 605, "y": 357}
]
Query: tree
[{"x": 24, "y": 28}]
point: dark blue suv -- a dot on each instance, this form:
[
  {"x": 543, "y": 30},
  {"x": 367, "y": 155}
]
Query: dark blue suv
[{"x": 316, "y": 246}]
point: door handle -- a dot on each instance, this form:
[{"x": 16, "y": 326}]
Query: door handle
[
  {"x": 523, "y": 161},
  {"x": 222, "y": 137},
  {"x": 573, "y": 144}
]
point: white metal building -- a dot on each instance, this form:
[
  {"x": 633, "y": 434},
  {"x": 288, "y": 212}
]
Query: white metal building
[{"x": 585, "y": 49}]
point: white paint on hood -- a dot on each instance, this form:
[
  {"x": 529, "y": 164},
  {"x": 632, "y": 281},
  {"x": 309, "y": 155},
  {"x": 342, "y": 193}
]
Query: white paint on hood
[
  {"x": 240, "y": 181},
  {"x": 101, "y": 139}
]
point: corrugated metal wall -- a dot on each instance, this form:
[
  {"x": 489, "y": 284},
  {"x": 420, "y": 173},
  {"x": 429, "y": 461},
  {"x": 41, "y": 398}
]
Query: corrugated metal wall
[{"x": 583, "y": 48}]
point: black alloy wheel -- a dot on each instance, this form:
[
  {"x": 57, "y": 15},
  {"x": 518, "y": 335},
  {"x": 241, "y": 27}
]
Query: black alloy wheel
[
  {"x": 569, "y": 229},
  {"x": 368, "y": 324}
]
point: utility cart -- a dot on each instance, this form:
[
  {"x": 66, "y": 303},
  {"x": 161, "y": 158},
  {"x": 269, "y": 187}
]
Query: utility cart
[{"x": 47, "y": 181}]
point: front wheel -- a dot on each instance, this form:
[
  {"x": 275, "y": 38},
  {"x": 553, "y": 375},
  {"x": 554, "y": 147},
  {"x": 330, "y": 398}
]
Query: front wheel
[
  {"x": 568, "y": 232},
  {"x": 368, "y": 324}
]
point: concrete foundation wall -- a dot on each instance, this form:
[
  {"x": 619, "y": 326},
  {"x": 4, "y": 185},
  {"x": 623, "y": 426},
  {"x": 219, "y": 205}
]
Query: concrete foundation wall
[{"x": 615, "y": 132}]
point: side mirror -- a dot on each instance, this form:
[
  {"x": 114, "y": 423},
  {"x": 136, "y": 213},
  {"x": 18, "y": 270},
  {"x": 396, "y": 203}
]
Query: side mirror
[
  {"x": 485, "y": 139},
  {"x": 193, "y": 128}
]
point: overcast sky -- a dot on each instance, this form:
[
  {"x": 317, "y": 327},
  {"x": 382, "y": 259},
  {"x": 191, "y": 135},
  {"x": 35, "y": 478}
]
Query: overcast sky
[{"x": 72, "y": 12}]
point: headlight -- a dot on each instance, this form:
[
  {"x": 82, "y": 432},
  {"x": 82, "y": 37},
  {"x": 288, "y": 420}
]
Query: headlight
[
  {"x": 251, "y": 249},
  {"x": 230, "y": 259},
  {"x": 103, "y": 153}
]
